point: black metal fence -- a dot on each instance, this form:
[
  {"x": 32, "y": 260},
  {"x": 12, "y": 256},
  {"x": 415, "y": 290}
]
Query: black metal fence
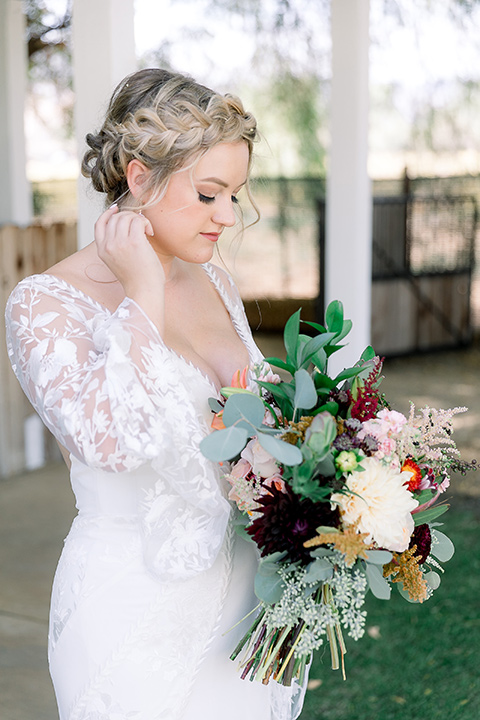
[
  {"x": 423, "y": 256},
  {"x": 421, "y": 235}
]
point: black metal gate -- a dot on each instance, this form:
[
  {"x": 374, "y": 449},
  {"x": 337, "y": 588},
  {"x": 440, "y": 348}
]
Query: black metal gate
[{"x": 422, "y": 263}]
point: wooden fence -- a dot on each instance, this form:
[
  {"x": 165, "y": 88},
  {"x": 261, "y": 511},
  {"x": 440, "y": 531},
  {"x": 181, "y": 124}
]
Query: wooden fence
[{"x": 24, "y": 251}]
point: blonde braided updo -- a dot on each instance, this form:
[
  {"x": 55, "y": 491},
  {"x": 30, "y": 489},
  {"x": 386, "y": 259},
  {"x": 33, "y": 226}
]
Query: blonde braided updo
[{"x": 166, "y": 121}]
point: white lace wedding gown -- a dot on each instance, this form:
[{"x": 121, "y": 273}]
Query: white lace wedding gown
[{"x": 151, "y": 575}]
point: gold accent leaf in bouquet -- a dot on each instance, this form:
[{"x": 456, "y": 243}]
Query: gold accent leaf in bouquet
[
  {"x": 404, "y": 568},
  {"x": 349, "y": 542}
]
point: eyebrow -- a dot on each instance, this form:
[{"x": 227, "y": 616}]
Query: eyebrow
[{"x": 216, "y": 180}]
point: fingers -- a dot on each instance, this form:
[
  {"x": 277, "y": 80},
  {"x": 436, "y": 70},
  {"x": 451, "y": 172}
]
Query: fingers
[
  {"x": 102, "y": 221},
  {"x": 114, "y": 228},
  {"x": 148, "y": 227}
]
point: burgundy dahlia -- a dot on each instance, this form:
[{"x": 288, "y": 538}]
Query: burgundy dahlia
[
  {"x": 422, "y": 538},
  {"x": 287, "y": 521}
]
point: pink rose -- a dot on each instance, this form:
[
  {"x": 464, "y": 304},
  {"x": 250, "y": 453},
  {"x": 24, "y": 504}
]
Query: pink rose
[
  {"x": 263, "y": 464},
  {"x": 241, "y": 468}
]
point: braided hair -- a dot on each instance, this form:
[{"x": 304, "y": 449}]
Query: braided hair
[{"x": 166, "y": 121}]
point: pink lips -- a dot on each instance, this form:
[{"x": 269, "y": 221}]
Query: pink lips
[{"x": 211, "y": 236}]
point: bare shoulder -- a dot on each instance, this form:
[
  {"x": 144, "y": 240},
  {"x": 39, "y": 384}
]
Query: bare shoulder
[
  {"x": 72, "y": 267},
  {"x": 87, "y": 273}
]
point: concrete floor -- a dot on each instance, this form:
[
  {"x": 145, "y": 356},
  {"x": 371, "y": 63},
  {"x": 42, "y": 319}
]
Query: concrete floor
[{"x": 36, "y": 510}]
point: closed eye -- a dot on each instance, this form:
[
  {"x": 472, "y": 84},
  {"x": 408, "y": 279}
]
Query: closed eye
[
  {"x": 208, "y": 199},
  {"x": 205, "y": 198}
]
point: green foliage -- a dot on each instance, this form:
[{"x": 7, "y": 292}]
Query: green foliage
[
  {"x": 269, "y": 585},
  {"x": 377, "y": 583},
  {"x": 307, "y": 468},
  {"x": 224, "y": 444},
  {"x": 303, "y": 352},
  {"x": 442, "y": 546},
  {"x": 415, "y": 661},
  {"x": 430, "y": 514}
]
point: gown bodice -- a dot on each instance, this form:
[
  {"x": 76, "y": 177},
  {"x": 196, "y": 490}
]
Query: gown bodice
[{"x": 141, "y": 594}]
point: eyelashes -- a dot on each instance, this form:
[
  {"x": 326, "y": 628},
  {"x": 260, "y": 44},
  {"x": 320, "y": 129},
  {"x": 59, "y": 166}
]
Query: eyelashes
[{"x": 207, "y": 199}]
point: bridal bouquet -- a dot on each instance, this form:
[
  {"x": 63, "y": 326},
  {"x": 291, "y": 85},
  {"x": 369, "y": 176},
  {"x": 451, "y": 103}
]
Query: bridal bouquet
[{"x": 339, "y": 492}]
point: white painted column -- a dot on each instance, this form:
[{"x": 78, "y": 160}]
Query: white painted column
[
  {"x": 349, "y": 203},
  {"x": 103, "y": 54},
  {"x": 15, "y": 193}
]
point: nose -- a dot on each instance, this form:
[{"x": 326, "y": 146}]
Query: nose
[{"x": 224, "y": 213}]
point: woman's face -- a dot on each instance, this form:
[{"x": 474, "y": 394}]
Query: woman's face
[{"x": 196, "y": 207}]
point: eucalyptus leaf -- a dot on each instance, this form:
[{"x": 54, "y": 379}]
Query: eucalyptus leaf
[
  {"x": 214, "y": 405},
  {"x": 405, "y": 594},
  {"x": 433, "y": 579},
  {"x": 378, "y": 585},
  {"x": 378, "y": 557},
  {"x": 321, "y": 552},
  {"x": 319, "y": 570},
  {"x": 225, "y": 444},
  {"x": 269, "y": 588},
  {"x": 305, "y": 392},
  {"x": 282, "y": 451},
  {"x": 442, "y": 547},
  {"x": 268, "y": 561},
  {"x": 245, "y": 411},
  {"x": 241, "y": 531}
]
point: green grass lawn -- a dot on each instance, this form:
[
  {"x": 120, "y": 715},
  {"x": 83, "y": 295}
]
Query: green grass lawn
[{"x": 423, "y": 661}]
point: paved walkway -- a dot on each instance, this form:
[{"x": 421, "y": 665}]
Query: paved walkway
[{"x": 36, "y": 510}]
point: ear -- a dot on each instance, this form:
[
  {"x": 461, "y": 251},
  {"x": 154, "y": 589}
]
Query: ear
[{"x": 136, "y": 175}]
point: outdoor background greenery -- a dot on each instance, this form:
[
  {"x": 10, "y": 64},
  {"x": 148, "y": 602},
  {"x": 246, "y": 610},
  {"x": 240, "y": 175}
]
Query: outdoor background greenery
[{"x": 419, "y": 661}]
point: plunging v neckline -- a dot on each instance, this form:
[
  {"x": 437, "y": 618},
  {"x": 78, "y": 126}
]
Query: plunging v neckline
[{"x": 212, "y": 276}]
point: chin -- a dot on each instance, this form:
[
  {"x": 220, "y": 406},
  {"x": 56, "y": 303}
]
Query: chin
[{"x": 203, "y": 257}]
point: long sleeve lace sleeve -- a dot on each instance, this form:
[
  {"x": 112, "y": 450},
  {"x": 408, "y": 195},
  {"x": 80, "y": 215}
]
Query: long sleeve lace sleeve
[
  {"x": 117, "y": 398},
  {"x": 92, "y": 377}
]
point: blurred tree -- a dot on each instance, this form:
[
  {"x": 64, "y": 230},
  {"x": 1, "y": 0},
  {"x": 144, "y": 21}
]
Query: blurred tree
[
  {"x": 287, "y": 77},
  {"x": 48, "y": 34}
]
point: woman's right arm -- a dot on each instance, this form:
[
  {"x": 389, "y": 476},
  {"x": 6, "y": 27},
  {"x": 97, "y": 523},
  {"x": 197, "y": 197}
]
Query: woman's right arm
[{"x": 101, "y": 383}]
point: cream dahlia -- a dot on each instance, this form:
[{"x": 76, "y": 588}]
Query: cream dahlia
[{"x": 381, "y": 506}]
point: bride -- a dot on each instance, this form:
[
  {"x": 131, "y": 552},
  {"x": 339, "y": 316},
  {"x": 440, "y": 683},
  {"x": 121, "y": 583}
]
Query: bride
[{"x": 118, "y": 348}]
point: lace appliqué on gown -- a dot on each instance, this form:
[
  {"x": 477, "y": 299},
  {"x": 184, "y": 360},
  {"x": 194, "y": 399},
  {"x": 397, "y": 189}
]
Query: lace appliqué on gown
[{"x": 143, "y": 577}]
